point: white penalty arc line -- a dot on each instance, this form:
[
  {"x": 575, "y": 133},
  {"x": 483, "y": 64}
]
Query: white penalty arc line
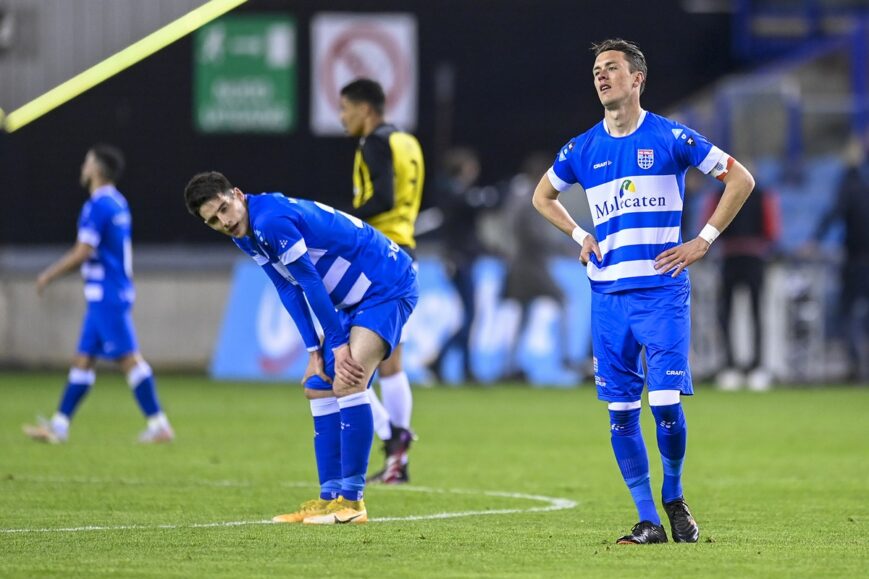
[{"x": 554, "y": 504}]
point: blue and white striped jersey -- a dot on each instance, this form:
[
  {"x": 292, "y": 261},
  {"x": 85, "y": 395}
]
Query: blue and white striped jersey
[
  {"x": 354, "y": 262},
  {"x": 635, "y": 187},
  {"x": 105, "y": 224}
]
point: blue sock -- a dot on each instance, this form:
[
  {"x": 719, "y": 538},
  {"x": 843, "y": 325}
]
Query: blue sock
[
  {"x": 78, "y": 385},
  {"x": 327, "y": 445},
  {"x": 357, "y": 433},
  {"x": 672, "y": 442},
  {"x": 141, "y": 380},
  {"x": 630, "y": 451}
]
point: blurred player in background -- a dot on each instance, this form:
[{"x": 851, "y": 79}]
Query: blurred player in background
[
  {"x": 632, "y": 166},
  {"x": 851, "y": 210},
  {"x": 746, "y": 248},
  {"x": 103, "y": 251},
  {"x": 361, "y": 287},
  {"x": 388, "y": 175}
]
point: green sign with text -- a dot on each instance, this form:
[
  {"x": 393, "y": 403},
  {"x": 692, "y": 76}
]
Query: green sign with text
[{"x": 245, "y": 75}]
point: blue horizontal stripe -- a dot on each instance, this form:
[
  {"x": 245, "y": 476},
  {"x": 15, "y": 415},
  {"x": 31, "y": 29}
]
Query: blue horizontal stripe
[
  {"x": 649, "y": 281},
  {"x": 634, "y": 253},
  {"x": 637, "y": 220}
]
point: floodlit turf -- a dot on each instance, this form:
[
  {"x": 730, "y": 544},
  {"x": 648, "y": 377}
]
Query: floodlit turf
[{"x": 778, "y": 483}]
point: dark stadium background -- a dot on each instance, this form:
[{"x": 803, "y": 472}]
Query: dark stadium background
[{"x": 517, "y": 90}]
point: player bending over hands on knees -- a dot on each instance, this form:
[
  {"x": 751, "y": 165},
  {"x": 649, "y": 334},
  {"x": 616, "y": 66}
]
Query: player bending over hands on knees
[
  {"x": 632, "y": 167},
  {"x": 361, "y": 287}
]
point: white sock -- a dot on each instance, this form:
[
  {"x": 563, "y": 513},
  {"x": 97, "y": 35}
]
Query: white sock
[
  {"x": 324, "y": 406},
  {"x": 381, "y": 417},
  {"x": 158, "y": 422},
  {"x": 397, "y": 398},
  {"x": 60, "y": 423}
]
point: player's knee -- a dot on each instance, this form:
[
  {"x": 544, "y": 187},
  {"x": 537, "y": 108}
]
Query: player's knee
[
  {"x": 624, "y": 418},
  {"x": 130, "y": 361},
  {"x": 388, "y": 369},
  {"x": 667, "y": 408},
  {"x": 668, "y": 417},
  {"x": 312, "y": 394},
  {"x": 82, "y": 362},
  {"x": 343, "y": 389},
  {"x": 138, "y": 373}
]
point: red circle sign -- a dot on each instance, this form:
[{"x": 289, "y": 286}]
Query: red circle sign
[{"x": 344, "y": 52}]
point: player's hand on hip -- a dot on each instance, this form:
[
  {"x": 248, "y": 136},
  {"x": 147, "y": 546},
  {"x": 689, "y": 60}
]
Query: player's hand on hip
[
  {"x": 347, "y": 369},
  {"x": 589, "y": 246},
  {"x": 678, "y": 258},
  {"x": 316, "y": 367}
]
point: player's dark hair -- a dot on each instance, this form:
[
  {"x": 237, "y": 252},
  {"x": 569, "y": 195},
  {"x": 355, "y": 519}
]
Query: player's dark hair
[
  {"x": 365, "y": 90},
  {"x": 204, "y": 187},
  {"x": 633, "y": 54},
  {"x": 110, "y": 160}
]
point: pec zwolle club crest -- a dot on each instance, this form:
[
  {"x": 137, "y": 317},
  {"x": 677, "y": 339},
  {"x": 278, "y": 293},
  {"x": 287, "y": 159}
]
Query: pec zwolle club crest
[{"x": 645, "y": 158}]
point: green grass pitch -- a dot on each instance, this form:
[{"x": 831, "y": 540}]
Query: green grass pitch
[{"x": 778, "y": 483}]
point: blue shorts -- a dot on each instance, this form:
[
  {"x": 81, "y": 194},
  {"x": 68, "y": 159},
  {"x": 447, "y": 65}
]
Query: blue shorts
[
  {"x": 622, "y": 323},
  {"x": 108, "y": 331},
  {"x": 386, "y": 319}
]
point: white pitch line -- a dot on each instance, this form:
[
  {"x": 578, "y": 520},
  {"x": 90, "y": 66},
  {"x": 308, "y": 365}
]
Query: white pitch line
[
  {"x": 136, "y": 527},
  {"x": 555, "y": 504}
]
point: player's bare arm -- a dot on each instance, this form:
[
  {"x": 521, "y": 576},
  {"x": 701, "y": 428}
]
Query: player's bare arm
[
  {"x": 738, "y": 184},
  {"x": 545, "y": 201},
  {"x": 70, "y": 261}
]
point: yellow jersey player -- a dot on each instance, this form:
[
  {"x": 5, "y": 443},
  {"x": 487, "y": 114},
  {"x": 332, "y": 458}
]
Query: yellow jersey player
[{"x": 388, "y": 176}]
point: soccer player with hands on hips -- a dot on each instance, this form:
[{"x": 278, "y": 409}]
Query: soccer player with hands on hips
[
  {"x": 103, "y": 252},
  {"x": 632, "y": 167},
  {"x": 360, "y": 286}
]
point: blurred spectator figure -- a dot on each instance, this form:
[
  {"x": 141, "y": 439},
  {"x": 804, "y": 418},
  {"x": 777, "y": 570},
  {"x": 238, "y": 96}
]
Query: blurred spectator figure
[
  {"x": 462, "y": 202},
  {"x": 851, "y": 210},
  {"x": 746, "y": 247},
  {"x": 532, "y": 244}
]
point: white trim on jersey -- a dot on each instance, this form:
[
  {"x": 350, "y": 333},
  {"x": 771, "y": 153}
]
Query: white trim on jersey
[
  {"x": 315, "y": 254},
  {"x": 93, "y": 271},
  {"x": 556, "y": 181},
  {"x": 295, "y": 252},
  {"x": 260, "y": 259},
  {"x": 89, "y": 236},
  {"x": 640, "y": 236},
  {"x": 93, "y": 292},
  {"x": 336, "y": 273},
  {"x": 622, "y": 270},
  {"x": 714, "y": 157},
  {"x": 103, "y": 191},
  {"x": 356, "y": 293},
  {"x": 639, "y": 123},
  {"x": 285, "y": 273}
]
